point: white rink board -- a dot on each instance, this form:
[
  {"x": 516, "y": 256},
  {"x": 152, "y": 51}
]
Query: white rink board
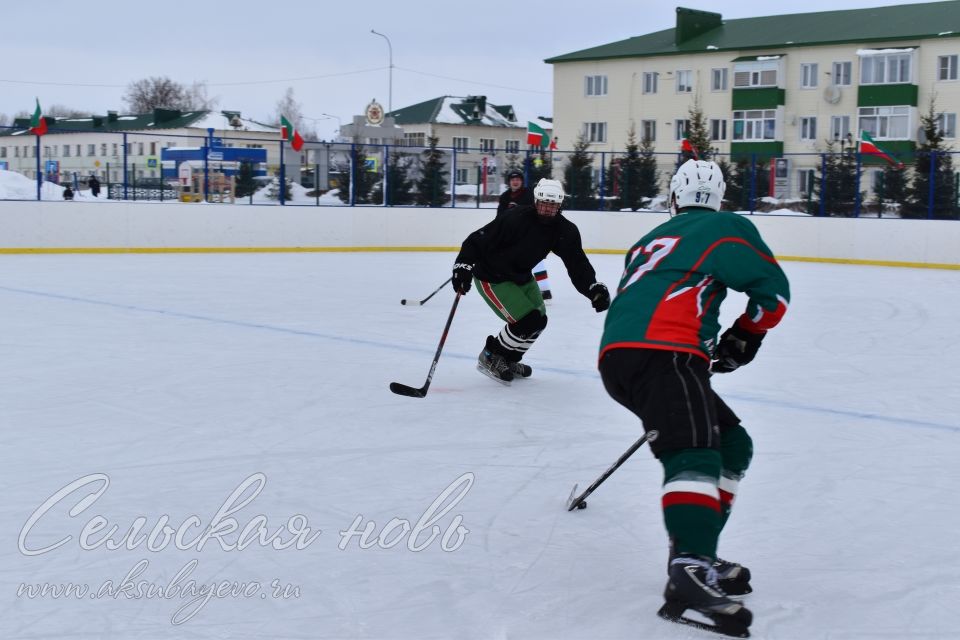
[{"x": 119, "y": 225}]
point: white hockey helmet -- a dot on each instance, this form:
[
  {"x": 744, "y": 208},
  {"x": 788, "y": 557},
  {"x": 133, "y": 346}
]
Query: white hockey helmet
[
  {"x": 548, "y": 191},
  {"x": 697, "y": 183}
]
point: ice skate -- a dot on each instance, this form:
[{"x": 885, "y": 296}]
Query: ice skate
[
  {"x": 733, "y": 578},
  {"x": 494, "y": 366},
  {"x": 693, "y": 584},
  {"x": 520, "y": 370}
]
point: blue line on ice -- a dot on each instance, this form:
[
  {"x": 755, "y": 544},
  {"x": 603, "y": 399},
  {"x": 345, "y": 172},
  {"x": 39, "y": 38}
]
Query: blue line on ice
[{"x": 581, "y": 373}]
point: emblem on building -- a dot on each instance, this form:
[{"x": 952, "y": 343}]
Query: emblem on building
[{"x": 374, "y": 112}]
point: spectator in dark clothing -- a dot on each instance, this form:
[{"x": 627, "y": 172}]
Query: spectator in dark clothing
[
  {"x": 516, "y": 195},
  {"x": 67, "y": 193},
  {"x": 94, "y": 185}
]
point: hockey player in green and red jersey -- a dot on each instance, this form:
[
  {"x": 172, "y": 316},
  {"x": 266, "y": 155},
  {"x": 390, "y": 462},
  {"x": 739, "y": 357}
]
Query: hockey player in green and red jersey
[
  {"x": 658, "y": 343},
  {"x": 499, "y": 257}
]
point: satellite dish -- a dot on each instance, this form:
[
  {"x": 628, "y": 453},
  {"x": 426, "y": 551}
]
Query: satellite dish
[{"x": 832, "y": 94}]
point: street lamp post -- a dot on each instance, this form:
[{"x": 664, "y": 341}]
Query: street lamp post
[{"x": 390, "y": 49}]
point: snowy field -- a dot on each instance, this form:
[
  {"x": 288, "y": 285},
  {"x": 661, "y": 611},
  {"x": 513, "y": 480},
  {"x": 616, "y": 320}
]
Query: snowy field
[{"x": 203, "y": 392}]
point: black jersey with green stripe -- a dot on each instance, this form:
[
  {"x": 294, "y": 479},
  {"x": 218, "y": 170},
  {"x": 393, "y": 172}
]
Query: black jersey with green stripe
[
  {"x": 510, "y": 246},
  {"x": 676, "y": 277}
]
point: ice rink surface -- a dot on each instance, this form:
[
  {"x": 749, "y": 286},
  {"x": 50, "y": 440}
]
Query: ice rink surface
[{"x": 205, "y": 391}]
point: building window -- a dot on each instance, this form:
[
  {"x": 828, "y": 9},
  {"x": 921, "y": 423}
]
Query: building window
[
  {"x": 595, "y": 131},
  {"x": 91, "y": 149},
  {"x": 488, "y": 145},
  {"x": 103, "y": 149},
  {"x": 139, "y": 148},
  {"x": 3, "y": 152},
  {"x": 66, "y": 151},
  {"x": 680, "y": 129},
  {"x": 116, "y": 150},
  {"x": 596, "y": 85},
  {"x": 46, "y": 151},
  {"x": 718, "y": 129},
  {"x": 808, "y": 128},
  {"x": 755, "y": 125},
  {"x": 947, "y": 67},
  {"x": 684, "y": 81},
  {"x": 842, "y": 73},
  {"x": 648, "y": 130},
  {"x": 463, "y": 176},
  {"x": 511, "y": 146},
  {"x": 947, "y": 125},
  {"x": 885, "y": 68},
  {"x": 718, "y": 79},
  {"x": 461, "y": 144},
  {"x": 16, "y": 152},
  {"x": 885, "y": 123},
  {"x": 806, "y": 178},
  {"x": 415, "y": 139},
  {"x": 808, "y": 75},
  {"x": 650, "y": 81},
  {"x": 839, "y": 127},
  {"x": 759, "y": 73},
  {"x": 153, "y": 148}
]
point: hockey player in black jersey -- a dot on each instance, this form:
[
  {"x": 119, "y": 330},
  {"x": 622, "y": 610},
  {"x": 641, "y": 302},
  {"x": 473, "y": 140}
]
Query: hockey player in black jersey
[{"x": 500, "y": 256}]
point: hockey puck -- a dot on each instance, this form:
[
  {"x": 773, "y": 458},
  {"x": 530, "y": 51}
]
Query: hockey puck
[{"x": 582, "y": 504}]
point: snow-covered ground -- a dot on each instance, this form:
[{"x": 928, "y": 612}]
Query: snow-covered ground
[{"x": 139, "y": 390}]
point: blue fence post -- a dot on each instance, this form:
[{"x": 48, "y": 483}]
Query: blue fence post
[
  {"x": 753, "y": 181},
  {"x": 283, "y": 178},
  {"x": 856, "y": 206},
  {"x": 353, "y": 174},
  {"x": 933, "y": 183},
  {"x": 386, "y": 180},
  {"x": 823, "y": 184},
  {"x": 125, "y": 177},
  {"x": 39, "y": 173},
  {"x": 526, "y": 168},
  {"x": 603, "y": 182},
  {"x": 453, "y": 179}
]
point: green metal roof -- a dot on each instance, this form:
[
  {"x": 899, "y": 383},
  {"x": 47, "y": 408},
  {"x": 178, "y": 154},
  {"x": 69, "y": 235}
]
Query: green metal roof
[
  {"x": 158, "y": 119},
  {"x": 902, "y": 22},
  {"x": 418, "y": 113},
  {"x": 469, "y": 110}
]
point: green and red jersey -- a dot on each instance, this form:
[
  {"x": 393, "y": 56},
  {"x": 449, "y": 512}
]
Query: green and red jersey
[{"x": 676, "y": 277}]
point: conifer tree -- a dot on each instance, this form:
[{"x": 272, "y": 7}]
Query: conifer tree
[
  {"x": 399, "y": 183},
  {"x": 648, "y": 175},
  {"x": 356, "y": 170},
  {"x": 623, "y": 178},
  {"x": 539, "y": 166},
  {"x": 432, "y": 185},
  {"x": 245, "y": 184},
  {"x": 933, "y": 164},
  {"x": 697, "y": 133},
  {"x": 578, "y": 176}
]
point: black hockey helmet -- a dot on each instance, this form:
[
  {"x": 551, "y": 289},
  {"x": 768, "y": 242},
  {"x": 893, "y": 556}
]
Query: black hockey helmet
[{"x": 514, "y": 173}]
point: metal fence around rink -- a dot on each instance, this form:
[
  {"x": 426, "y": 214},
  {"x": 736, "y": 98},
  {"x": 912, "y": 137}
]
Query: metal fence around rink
[{"x": 136, "y": 165}]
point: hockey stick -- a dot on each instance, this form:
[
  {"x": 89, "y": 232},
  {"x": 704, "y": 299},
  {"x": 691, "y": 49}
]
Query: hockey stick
[
  {"x": 404, "y": 390},
  {"x": 445, "y": 283},
  {"x": 580, "y": 501}
]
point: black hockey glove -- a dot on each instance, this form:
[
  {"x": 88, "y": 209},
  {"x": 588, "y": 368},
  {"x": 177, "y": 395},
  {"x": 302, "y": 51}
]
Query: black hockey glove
[
  {"x": 736, "y": 348},
  {"x": 599, "y": 296},
  {"x": 462, "y": 277}
]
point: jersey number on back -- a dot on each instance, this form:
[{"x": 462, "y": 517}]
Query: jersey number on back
[{"x": 656, "y": 249}]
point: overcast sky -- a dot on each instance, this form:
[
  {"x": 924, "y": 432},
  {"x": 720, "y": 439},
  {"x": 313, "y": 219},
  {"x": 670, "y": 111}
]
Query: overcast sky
[{"x": 84, "y": 55}]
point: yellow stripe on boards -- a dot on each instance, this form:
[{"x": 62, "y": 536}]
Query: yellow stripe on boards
[{"x": 62, "y": 250}]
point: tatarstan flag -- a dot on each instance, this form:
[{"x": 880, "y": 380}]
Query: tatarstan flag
[
  {"x": 38, "y": 124},
  {"x": 290, "y": 134},
  {"x": 869, "y": 147},
  {"x": 537, "y": 136}
]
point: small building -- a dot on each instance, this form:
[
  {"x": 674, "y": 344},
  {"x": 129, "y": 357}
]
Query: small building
[
  {"x": 116, "y": 145},
  {"x": 484, "y": 134}
]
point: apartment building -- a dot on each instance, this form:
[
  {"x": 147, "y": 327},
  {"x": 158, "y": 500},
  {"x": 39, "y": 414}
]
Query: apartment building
[{"x": 778, "y": 86}]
